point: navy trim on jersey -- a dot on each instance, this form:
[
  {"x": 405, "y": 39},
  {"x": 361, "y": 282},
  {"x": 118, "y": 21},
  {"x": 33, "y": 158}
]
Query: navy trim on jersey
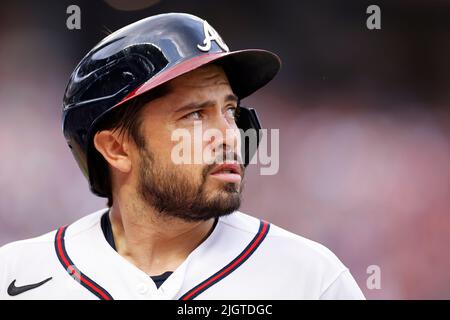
[
  {"x": 73, "y": 271},
  {"x": 102, "y": 294},
  {"x": 233, "y": 265}
]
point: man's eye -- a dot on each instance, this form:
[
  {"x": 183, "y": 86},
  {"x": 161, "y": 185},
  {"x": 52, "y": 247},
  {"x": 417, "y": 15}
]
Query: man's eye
[
  {"x": 232, "y": 112},
  {"x": 193, "y": 115}
]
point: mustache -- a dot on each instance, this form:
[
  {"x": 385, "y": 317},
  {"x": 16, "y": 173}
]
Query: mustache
[{"x": 226, "y": 157}]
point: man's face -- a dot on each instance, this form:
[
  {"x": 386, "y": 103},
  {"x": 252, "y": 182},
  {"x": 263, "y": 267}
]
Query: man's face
[{"x": 199, "y": 190}]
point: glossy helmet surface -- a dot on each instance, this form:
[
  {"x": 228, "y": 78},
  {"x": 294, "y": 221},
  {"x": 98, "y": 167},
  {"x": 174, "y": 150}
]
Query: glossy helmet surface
[{"x": 140, "y": 57}]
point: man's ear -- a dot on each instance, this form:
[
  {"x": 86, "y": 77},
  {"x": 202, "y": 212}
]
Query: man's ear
[{"x": 114, "y": 148}]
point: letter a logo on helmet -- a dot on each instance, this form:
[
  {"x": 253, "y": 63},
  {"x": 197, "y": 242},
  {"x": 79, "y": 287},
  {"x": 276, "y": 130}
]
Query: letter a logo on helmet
[{"x": 211, "y": 35}]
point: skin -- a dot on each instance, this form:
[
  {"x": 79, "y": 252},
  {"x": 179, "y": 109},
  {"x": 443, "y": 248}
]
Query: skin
[{"x": 153, "y": 241}]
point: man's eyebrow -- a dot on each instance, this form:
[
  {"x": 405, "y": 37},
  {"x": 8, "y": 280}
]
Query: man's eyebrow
[
  {"x": 202, "y": 105},
  {"x": 195, "y": 106},
  {"x": 231, "y": 97}
]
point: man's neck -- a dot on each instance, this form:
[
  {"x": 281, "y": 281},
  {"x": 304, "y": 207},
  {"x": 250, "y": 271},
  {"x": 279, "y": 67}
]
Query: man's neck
[{"x": 155, "y": 243}]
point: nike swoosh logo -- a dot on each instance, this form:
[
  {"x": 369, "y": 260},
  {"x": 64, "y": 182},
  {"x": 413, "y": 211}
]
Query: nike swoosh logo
[{"x": 14, "y": 291}]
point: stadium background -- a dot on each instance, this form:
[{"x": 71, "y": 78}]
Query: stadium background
[{"x": 363, "y": 117}]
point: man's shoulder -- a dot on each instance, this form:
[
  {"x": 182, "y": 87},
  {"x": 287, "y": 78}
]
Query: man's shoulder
[
  {"x": 18, "y": 247},
  {"x": 303, "y": 268},
  {"x": 284, "y": 244},
  {"x": 36, "y": 245}
]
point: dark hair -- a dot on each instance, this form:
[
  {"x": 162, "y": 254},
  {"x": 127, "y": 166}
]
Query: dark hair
[{"x": 126, "y": 118}]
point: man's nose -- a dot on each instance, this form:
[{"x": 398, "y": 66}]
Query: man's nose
[{"x": 225, "y": 134}]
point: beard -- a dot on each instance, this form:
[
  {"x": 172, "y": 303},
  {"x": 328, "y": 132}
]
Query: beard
[{"x": 173, "y": 193}]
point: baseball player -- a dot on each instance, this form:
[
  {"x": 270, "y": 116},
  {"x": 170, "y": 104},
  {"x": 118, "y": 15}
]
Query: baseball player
[{"x": 170, "y": 231}]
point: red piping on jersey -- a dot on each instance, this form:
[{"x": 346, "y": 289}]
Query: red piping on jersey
[
  {"x": 239, "y": 260},
  {"x": 65, "y": 260},
  {"x": 221, "y": 274}
]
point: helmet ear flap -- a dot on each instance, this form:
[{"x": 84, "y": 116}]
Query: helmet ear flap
[{"x": 251, "y": 134}]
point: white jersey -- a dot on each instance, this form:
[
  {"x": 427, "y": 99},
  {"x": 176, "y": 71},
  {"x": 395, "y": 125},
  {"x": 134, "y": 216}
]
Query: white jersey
[{"x": 243, "y": 258}]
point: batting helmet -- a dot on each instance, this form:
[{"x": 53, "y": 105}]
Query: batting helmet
[{"x": 139, "y": 58}]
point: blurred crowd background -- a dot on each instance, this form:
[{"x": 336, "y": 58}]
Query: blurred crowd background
[{"x": 364, "y": 121}]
